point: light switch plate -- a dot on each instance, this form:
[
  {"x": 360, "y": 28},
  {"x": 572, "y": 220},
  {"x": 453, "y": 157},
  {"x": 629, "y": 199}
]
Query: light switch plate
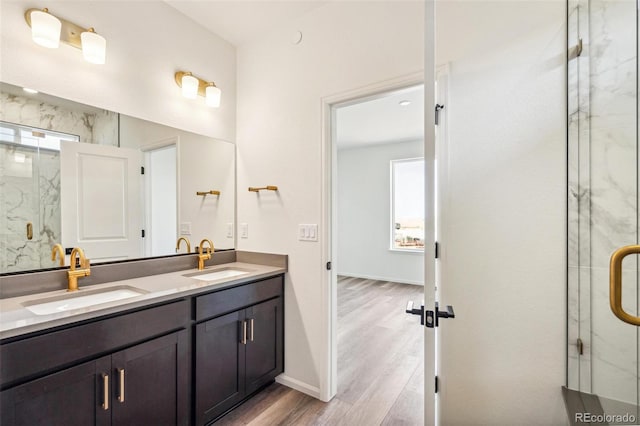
[
  {"x": 185, "y": 228},
  {"x": 229, "y": 230},
  {"x": 244, "y": 230},
  {"x": 307, "y": 232}
]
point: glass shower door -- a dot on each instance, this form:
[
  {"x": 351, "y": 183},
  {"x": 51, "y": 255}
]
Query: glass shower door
[{"x": 603, "y": 202}]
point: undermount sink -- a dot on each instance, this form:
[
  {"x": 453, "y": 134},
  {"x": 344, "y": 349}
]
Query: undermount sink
[
  {"x": 218, "y": 274},
  {"x": 81, "y": 299}
]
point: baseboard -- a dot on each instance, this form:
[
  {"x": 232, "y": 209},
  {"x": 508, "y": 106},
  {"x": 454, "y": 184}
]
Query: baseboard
[
  {"x": 373, "y": 277},
  {"x": 303, "y": 387}
]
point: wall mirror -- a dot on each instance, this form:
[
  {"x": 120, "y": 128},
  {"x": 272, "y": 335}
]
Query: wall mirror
[{"x": 119, "y": 187}]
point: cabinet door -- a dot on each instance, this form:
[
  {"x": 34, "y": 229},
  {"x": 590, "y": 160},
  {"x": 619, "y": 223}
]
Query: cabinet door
[
  {"x": 70, "y": 397},
  {"x": 151, "y": 382},
  {"x": 219, "y": 378},
  {"x": 264, "y": 358}
]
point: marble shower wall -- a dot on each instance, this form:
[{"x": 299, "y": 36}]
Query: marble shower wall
[
  {"x": 30, "y": 190},
  {"x": 603, "y": 194}
]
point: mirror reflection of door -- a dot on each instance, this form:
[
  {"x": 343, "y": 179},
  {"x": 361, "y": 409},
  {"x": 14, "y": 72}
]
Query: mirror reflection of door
[
  {"x": 160, "y": 201},
  {"x": 100, "y": 200}
]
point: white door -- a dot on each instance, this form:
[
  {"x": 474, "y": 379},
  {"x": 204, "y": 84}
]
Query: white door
[
  {"x": 430, "y": 331},
  {"x": 101, "y": 201}
]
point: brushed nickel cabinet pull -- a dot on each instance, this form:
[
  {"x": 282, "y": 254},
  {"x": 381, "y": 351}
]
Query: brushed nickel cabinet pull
[
  {"x": 615, "y": 284},
  {"x": 251, "y": 331},
  {"x": 121, "y": 390},
  {"x": 105, "y": 392},
  {"x": 29, "y": 231},
  {"x": 244, "y": 332}
]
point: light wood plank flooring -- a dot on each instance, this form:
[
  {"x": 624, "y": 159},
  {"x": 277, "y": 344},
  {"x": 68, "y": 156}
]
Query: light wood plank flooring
[{"x": 380, "y": 366}]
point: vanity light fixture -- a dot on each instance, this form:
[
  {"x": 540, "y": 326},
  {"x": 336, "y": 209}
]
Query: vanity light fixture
[
  {"x": 404, "y": 103},
  {"x": 31, "y": 91},
  {"x": 48, "y": 30},
  {"x": 192, "y": 87}
]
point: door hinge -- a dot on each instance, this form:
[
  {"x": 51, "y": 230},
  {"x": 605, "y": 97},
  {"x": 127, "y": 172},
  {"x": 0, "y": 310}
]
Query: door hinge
[
  {"x": 436, "y": 384},
  {"x": 580, "y": 346},
  {"x": 142, "y": 170},
  {"x": 437, "y": 250},
  {"x": 438, "y": 108},
  {"x": 328, "y": 266},
  {"x": 143, "y": 233}
]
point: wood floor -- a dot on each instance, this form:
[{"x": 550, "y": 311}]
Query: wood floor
[{"x": 380, "y": 366}]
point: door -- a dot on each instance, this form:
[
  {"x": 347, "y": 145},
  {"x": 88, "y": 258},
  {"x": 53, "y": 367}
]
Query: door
[
  {"x": 47, "y": 401},
  {"x": 150, "y": 382},
  {"x": 100, "y": 200},
  {"x": 220, "y": 354},
  {"x": 603, "y": 213},
  {"x": 264, "y": 343}
]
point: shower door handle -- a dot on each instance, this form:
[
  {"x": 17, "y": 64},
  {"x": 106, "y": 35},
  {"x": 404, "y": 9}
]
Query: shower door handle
[{"x": 615, "y": 284}]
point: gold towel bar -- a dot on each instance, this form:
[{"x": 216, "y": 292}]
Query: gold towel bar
[
  {"x": 212, "y": 192},
  {"x": 268, "y": 188}
]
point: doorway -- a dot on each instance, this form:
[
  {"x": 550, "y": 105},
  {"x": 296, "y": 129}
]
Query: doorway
[
  {"x": 161, "y": 198},
  {"x": 378, "y": 237}
]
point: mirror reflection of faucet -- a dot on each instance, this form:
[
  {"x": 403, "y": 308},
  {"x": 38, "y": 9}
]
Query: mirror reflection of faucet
[
  {"x": 59, "y": 251},
  {"x": 74, "y": 274},
  {"x": 204, "y": 253},
  {"x": 186, "y": 240}
]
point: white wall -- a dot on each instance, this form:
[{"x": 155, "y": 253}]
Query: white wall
[
  {"x": 504, "y": 239},
  {"x": 364, "y": 215},
  {"x": 345, "y": 45},
  {"x": 147, "y": 42}
]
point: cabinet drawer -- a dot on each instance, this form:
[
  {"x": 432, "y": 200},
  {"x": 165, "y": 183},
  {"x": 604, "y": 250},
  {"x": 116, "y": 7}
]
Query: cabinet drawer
[
  {"x": 29, "y": 357},
  {"x": 224, "y": 301}
]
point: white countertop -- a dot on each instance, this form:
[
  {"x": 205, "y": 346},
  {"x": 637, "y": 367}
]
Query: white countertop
[{"x": 16, "y": 319}]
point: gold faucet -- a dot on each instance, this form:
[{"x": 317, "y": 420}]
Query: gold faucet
[
  {"x": 207, "y": 253},
  {"x": 74, "y": 274},
  {"x": 186, "y": 240},
  {"x": 57, "y": 250}
]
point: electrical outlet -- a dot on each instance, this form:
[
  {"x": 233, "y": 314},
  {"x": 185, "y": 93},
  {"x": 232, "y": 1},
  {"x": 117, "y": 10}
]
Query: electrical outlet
[
  {"x": 229, "y": 230},
  {"x": 244, "y": 230}
]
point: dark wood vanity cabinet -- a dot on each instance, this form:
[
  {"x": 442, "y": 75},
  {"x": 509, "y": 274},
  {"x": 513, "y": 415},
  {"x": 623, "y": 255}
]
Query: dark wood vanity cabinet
[
  {"x": 69, "y": 397},
  {"x": 139, "y": 385},
  {"x": 239, "y": 352},
  {"x": 186, "y": 361},
  {"x": 143, "y": 383}
]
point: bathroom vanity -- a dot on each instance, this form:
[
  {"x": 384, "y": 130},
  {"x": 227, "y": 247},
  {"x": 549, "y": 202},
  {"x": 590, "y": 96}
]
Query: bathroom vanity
[{"x": 184, "y": 348}]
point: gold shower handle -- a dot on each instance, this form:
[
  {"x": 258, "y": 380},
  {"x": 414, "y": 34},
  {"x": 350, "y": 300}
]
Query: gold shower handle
[{"x": 615, "y": 283}]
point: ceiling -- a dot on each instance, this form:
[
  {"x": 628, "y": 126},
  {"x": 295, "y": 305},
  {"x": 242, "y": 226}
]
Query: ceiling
[
  {"x": 240, "y": 21},
  {"x": 373, "y": 121},
  {"x": 382, "y": 120}
]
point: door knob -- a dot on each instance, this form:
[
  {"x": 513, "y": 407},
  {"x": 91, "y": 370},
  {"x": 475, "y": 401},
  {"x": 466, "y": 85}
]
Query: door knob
[{"x": 428, "y": 318}]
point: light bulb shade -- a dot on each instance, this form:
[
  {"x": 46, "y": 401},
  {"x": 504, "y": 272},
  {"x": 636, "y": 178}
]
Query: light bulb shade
[
  {"x": 190, "y": 86},
  {"x": 45, "y": 29},
  {"x": 213, "y": 96},
  {"x": 94, "y": 47}
]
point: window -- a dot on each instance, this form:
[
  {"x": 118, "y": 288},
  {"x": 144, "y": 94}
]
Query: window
[
  {"x": 407, "y": 204},
  {"x": 32, "y": 137}
]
